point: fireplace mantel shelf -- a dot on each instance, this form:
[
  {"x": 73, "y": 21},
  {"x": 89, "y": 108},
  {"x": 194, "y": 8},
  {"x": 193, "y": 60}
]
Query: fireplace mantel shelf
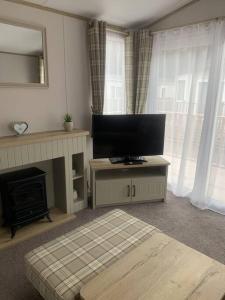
[{"x": 39, "y": 137}]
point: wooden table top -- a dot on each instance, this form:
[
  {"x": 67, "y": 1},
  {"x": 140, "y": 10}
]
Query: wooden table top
[
  {"x": 45, "y": 136},
  {"x": 105, "y": 164},
  {"x": 161, "y": 268}
]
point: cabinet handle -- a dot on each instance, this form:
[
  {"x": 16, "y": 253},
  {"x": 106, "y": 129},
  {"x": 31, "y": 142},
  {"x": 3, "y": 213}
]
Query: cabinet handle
[
  {"x": 134, "y": 191},
  {"x": 128, "y": 191}
]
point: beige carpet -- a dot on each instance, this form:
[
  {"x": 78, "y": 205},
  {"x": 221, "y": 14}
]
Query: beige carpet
[{"x": 202, "y": 230}]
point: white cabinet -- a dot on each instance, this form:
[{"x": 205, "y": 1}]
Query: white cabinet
[
  {"x": 120, "y": 184},
  {"x": 113, "y": 191},
  {"x": 148, "y": 188}
]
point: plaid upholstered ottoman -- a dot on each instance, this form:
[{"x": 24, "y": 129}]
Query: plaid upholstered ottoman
[{"x": 61, "y": 267}]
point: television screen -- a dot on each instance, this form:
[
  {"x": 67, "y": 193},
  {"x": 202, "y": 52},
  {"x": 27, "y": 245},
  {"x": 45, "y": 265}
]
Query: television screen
[{"x": 128, "y": 135}]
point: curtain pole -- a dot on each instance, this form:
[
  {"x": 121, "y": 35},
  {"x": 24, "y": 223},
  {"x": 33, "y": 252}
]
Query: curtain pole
[
  {"x": 117, "y": 30},
  {"x": 189, "y": 24}
]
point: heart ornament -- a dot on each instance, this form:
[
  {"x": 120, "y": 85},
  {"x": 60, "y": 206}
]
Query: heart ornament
[{"x": 20, "y": 127}]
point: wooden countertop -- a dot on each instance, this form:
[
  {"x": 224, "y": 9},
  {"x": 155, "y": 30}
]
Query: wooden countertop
[
  {"x": 105, "y": 164},
  {"x": 11, "y": 141},
  {"x": 160, "y": 268}
]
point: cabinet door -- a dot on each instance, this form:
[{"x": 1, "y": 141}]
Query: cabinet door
[
  {"x": 148, "y": 188},
  {"x": 113, "y": 191}
]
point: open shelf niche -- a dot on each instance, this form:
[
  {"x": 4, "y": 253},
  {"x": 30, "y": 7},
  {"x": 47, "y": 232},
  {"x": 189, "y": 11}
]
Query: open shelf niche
[{"x": 79, "y": 181}]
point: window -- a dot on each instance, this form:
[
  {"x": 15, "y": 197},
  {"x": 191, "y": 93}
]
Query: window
[
  {"x": 187, "y": 82},
  {"x": 167, "y": 91},
  {"x": 223, "y": 92},
  {"x": 201, "y": 94},
  {"x": 181, "y": 84},
  {"x": 114, "y": 102},
  {"x": 222, "y": 103}
]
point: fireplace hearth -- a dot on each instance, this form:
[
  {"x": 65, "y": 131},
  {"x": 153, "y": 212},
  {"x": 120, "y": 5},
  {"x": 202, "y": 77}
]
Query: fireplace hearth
[{"x": 23, "y": 196}]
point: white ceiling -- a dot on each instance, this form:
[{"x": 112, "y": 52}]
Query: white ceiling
[
  {"x": 20, "y": 40},
  {"x": 127, "y": 13}
]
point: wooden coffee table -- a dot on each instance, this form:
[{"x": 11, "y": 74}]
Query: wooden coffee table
[{"x": 161, "y": 268}]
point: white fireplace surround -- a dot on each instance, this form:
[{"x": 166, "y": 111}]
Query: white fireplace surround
[{"x": 66, "y": 150}]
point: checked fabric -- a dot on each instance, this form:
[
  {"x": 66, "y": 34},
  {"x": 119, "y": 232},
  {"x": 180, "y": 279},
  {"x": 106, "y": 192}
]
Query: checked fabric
[{"x": 58, "y": 269}]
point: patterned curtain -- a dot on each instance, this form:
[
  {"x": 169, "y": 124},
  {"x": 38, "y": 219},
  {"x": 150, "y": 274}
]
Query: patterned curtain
[
  {"x": 138, "y": 48},
  {"x": 97, "y": 51}
]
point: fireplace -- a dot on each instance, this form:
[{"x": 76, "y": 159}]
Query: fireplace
[{"x": 23, "y": 196}]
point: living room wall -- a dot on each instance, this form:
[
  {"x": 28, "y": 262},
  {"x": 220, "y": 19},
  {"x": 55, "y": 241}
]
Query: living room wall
[
  {"x": 199, "y": 11},
  {"x": 69, "y": 87}
]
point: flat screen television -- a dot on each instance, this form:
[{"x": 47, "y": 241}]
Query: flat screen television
[{"x": 127, "y": 138}]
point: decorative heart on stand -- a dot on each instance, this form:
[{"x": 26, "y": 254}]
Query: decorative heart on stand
[{"x": 19, "y": 127}]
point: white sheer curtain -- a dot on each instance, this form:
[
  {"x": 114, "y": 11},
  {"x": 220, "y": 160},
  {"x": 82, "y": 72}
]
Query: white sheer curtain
[
  {"x": 114, "y": 102},
  {"x": 187, "y": 82}
]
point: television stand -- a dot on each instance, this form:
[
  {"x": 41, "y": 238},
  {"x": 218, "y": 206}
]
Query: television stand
[
  {"x": 113, "y": 184},
  {"x": 128, "y": 160}
]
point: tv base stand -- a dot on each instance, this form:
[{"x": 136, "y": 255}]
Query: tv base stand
[
  {"x": 113, "y": 184},
  {"x": 127, "y": 160}
]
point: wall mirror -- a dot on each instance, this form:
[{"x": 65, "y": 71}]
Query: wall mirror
[{"x": 23, "y": 57}]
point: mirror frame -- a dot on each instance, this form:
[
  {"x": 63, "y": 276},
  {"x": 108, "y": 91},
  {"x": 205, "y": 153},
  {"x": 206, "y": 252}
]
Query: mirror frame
[{"x": 44, "y": 45}]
